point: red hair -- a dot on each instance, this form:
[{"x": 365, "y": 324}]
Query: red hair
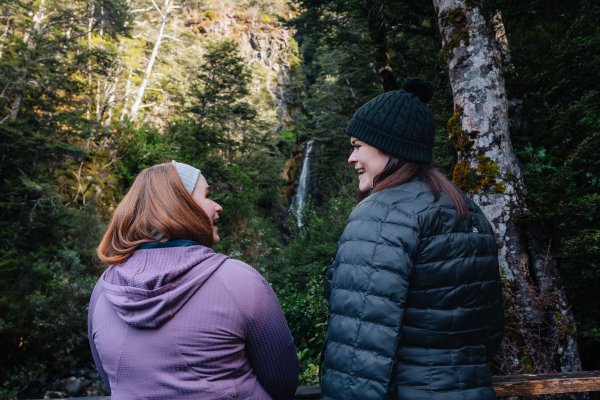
[{"x": 156, "y": 204}]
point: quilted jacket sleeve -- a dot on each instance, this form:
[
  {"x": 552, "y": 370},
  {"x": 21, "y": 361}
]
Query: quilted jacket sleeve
[{"x": 368, "y": 291}]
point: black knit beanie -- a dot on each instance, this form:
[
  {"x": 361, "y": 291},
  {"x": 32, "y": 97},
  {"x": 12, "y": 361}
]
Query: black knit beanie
[{"x": 398, "y": 122}]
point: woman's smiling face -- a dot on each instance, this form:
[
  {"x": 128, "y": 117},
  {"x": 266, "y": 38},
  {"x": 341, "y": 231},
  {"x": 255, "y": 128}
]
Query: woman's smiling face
[
  {"x": 368, "y": 161},
  {"x": 212, "y": 209}
]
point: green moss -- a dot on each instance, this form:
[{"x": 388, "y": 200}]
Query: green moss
[
  {"x": 489, "y": 172},
  {"x": 564, "y": 328},
  {"x": 460, "y": 175},
  {"x": 457, "y": 19},
  {"x": 456, "y": 16},
  {"x": 461, "y": 140},
  {"x": 293, "y": 52},
  {"x": 485, "y": 177},
  {"x": 266, "y": 19},
  {"x": 527, "y": 366},
  {"x": 211, "y": 15}
]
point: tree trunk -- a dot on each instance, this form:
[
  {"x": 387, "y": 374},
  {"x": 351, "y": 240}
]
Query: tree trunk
[
  {"x": 106, "y": 89},
  {"x": 165, "y": 12},
  {"x": 30, "y": 39},
  {"x": 378, "y": 32},
  {"x": 126, "y": 95},
  {"x": 91, "y": 7},
  {"x": 7, "y": 20},
  {"x": 501, "y": 39},
  {"x": 108, "y": 98},
  {"x": 540, "y": 334}
]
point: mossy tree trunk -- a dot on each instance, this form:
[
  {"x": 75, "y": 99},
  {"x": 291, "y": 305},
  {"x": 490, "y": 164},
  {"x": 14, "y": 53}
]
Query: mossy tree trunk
[{"x": 540, "y": 335}]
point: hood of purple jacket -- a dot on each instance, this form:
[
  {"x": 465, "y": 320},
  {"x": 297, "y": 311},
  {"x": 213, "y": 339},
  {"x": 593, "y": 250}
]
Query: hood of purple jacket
[{"x": 153, "y": 284}]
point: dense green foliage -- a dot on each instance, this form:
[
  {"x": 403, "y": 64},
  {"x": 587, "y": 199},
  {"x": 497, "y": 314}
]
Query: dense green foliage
[
  {"x": 69, "y": 150},
  {"x": 45, "y": 252}
]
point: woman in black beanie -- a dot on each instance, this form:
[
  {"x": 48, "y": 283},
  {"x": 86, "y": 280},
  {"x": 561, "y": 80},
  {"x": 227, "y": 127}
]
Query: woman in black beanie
[{"x": 414, "y": 292}]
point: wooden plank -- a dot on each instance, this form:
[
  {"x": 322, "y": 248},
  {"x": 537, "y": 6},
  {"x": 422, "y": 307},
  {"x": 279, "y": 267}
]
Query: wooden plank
[
  {"x": 518, "y": 385},
  {"x": 533, "y": 385},
  {"x": 308, "y": 392},
  {"x": 505, "y": 386}
]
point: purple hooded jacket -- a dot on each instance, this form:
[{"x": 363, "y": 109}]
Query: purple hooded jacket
[{"x": 184, "y": 322}]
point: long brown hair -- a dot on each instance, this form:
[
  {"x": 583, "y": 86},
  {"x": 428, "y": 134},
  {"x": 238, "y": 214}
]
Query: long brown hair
[
  {"x": 156, "y": 204},
  {"x": 396, "y": 172}
]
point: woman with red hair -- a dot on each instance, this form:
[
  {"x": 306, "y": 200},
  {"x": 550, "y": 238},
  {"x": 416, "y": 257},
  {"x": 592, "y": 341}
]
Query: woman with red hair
[{"x": 172, "y": 319}]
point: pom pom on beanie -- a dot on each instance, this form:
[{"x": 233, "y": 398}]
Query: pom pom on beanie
[
  {"x": 420, "y": 87},
  {"x": 398, "y": 122}
]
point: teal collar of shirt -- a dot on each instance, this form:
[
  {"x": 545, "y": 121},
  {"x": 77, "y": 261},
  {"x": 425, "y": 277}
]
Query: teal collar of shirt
[{"x": 170, "y": 243}]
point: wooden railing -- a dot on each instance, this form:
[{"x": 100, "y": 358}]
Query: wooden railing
[
  {"x": 505, "y": 386},
  {"x": 535, "y": 385},
  {"x": 518, "y": 385}
]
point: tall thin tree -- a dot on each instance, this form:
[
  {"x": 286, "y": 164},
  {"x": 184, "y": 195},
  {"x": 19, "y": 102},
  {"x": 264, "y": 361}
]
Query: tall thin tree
[
  {"x": 30, "y": 39},
  {"x": 165, "y": 12}
]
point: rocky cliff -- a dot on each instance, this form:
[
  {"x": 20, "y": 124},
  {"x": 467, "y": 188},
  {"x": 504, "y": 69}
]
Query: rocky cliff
[{"x": 264, "y": 40}]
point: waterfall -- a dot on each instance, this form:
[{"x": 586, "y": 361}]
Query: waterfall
[{"x": 299, "y": 199}]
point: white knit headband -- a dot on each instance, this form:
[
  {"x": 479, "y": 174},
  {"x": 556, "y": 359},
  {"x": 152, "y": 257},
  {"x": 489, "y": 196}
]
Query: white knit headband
[{"x": 188, "y": 174}]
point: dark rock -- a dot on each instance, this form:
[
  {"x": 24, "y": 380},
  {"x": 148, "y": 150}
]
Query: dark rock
[
  {"x": 51, "y": 394},
  {"x": 75, "y": 386},
  {"x": 93, "y": 375},
  {"x": 33, "y": 390}
]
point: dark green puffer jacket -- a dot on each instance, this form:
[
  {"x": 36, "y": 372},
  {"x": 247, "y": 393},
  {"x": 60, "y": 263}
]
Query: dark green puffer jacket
[{"x": 415, "y": 301}]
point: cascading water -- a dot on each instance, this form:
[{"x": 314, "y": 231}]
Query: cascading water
[{"x": 299, "y": 199}]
